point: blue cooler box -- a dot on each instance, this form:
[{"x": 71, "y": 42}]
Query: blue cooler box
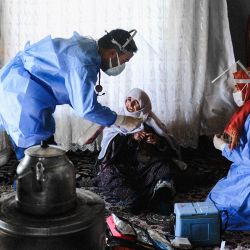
[{"x": 199, "y": 222}]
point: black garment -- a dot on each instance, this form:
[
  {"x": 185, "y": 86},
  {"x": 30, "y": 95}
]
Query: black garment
[{"x": 131, "y": 169}]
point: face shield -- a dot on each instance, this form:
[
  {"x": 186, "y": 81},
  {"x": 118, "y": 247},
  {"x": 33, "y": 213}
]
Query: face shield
[
  {"x": 138, "y": 72},
  {"x": 116, "y": 70},
  {"x": 228, "y": 80},
  {"x": 121, "y": 47},
  {"x": 234, "y": 68}
]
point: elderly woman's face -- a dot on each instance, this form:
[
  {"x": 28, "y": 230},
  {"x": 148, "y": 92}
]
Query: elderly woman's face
[{"x": 132, "y": 104}]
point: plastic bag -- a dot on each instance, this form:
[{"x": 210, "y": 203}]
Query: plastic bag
[{"x": 123, "y": 235}]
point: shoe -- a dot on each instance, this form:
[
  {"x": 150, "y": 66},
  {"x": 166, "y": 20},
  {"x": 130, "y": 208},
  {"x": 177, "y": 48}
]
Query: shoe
[
  {"x": 162, "y": 202},
  {"x": 162, "y": 198},
  {"x": 4, "y": 156},
  {"x": 164, "y": 184},
  {"x": 164, "y": 208}
]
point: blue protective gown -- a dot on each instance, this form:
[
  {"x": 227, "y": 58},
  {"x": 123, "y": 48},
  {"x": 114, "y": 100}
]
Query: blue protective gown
[
  {"x": 232, "y": 193},
  {"x": 48, "y": 73}
]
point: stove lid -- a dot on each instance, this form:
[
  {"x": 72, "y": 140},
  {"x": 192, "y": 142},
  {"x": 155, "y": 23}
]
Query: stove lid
[{"x": 44, "y": 150}]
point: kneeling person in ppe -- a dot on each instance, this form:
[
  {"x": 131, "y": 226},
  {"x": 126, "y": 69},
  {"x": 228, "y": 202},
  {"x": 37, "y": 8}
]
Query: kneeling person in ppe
[
  {"x": 60, "y": 71},
  {"x": 231, "y": 194}
]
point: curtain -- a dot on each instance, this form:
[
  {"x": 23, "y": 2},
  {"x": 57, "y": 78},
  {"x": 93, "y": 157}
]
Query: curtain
[
  {"x": 182, "y": 46},
  {"x": 4, "y": 143}
]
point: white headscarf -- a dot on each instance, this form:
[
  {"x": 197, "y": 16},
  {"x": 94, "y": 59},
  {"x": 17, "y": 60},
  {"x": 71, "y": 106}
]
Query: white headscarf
[{"x": 148, "y": 116}]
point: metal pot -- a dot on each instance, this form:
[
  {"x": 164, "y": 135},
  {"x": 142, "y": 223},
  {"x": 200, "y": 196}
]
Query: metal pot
[{"x": 45, "y": 181}]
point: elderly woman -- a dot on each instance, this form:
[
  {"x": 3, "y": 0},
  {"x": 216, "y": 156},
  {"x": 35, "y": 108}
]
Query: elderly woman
[
  {"x": 136, "y": 167},
  {"x": 231, "y": 194}
]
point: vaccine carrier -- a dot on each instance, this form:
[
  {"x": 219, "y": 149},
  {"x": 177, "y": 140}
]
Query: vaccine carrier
[{"x": 199, "y": 222}]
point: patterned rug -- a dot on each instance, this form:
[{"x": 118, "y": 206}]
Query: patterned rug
[{"x": 206, "y": 167}]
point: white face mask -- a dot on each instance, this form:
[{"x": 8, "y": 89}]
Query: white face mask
[
  {"x": 114, "y": 71},
  {"x": 237, "y": 96}
]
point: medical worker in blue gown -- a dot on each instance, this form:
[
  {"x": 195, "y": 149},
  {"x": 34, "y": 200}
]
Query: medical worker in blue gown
[
  {"x": 231, "y": 195},
  {"x": 60, "y": 71}
]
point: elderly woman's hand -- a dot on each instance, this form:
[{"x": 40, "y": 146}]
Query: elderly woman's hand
[
  {"x": 152, "y": 138},
  {"x": 138, "y": 136}
]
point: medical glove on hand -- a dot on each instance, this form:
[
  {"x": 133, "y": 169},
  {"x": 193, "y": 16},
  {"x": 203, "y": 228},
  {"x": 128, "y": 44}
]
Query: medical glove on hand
[
  {"x": 128, "y": 122},
  {"x": 219, "y": 143}
]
